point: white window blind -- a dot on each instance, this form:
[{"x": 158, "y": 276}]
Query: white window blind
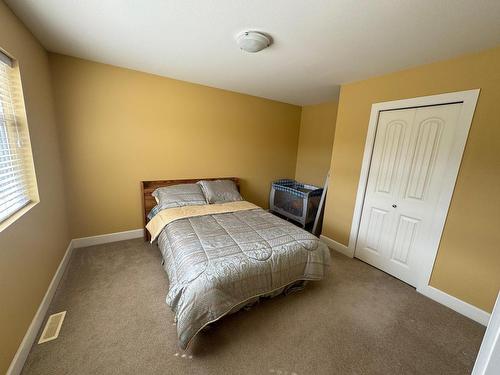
[{"x": 17, "y": 182}]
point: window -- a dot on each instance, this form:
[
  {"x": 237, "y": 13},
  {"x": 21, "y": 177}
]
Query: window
[{"x": 17, "y": 175}]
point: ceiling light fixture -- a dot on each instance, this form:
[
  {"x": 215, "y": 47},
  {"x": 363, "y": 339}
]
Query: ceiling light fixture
[{"x": 253, "y": 41}]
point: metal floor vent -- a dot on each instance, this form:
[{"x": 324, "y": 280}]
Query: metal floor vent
[{"x": 52, "y": 327}]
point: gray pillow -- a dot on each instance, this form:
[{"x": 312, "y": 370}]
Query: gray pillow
[
  {"x": 179, "y": 195},
  {"x": 220, "y": 191}
]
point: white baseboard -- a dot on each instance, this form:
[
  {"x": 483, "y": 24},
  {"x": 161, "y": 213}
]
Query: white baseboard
[
  {"x": 337, "y": 246},
  {"x": 437, "y": 295},
  {"x": 17, "y": 363},
  {"x": 106, "y": 238},
  {"x": 456, "y": 304}
]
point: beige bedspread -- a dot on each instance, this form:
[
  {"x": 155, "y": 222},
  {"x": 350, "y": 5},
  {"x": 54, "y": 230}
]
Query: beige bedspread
[{"x": 165, "y": 217}]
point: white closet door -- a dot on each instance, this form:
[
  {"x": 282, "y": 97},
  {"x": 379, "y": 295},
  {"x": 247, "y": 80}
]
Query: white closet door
[{"x": 410, "y": 156}]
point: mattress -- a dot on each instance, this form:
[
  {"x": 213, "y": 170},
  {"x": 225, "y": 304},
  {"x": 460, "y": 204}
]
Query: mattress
[{"x": 218, "y": 263}]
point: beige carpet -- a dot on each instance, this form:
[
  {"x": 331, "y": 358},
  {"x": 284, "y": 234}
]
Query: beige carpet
[{"x": 358, "y": 321}]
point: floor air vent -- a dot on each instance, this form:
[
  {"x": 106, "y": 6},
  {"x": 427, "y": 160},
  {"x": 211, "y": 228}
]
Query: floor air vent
[{"x": 52, "y": 327}]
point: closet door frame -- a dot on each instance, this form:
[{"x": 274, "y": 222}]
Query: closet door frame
[{"x": 469, "y": 99}]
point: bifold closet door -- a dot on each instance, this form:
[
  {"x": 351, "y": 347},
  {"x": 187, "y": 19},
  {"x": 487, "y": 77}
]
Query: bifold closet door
[{"x": 410, "y": 155}]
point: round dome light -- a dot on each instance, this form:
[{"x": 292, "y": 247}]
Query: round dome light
[{"x": 253, "y": 41}]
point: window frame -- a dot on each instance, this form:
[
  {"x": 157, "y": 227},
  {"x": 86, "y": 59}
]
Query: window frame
[{"x": 29, "y": 170}]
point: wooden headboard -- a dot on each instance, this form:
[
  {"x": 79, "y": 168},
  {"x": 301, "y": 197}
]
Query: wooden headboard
[{"x": 148, "y": 201}]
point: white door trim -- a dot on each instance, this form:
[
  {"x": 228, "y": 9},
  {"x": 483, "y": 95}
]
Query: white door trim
[
  {"x": 488, "y": 358},
  {"x": 469, "y": 100}
]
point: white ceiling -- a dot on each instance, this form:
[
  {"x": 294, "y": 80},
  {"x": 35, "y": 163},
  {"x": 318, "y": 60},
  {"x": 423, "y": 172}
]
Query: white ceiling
[{"x": 318, "y": 44}]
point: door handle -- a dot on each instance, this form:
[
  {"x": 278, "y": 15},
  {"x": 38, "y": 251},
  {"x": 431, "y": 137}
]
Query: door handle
[{"x": 394, "y": 206}]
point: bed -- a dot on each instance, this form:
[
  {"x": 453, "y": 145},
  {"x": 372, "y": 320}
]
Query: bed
[{"x": 221, "y": 257}]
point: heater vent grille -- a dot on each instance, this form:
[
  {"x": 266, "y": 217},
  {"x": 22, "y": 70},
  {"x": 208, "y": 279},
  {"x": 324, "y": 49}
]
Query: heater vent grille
[{"x": 52, "y": 327}]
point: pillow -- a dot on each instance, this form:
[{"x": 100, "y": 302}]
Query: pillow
[
  {"x": 154, "y": 211},
  {"x": 179, "y": 195},
  {"x": 220, "y": 191}
]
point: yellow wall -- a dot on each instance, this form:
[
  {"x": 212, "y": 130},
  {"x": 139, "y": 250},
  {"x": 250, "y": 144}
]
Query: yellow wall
[
  {"x": 317, "y": 129},
  {"x": 32, "y": 247},
  {"x": 468, "y": 261},
  {"x": 118, "y": 127}
]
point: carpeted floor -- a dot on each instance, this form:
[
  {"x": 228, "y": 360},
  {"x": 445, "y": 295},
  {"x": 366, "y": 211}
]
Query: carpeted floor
[{"x": 357, "y": 321}]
